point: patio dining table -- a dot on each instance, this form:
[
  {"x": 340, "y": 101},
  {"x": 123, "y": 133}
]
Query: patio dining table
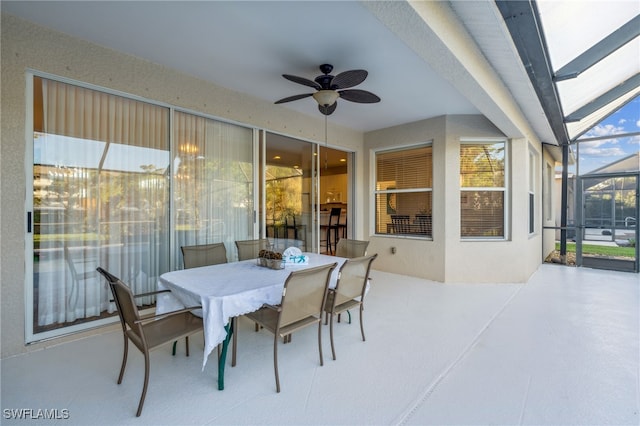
[{"x": 226, "y": 291}]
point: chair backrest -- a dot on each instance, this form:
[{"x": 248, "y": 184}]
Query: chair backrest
[
  {"x": 351, "y": 248},
  {"x": 400, "y": 223},
  {"x": 290, "y": 220},
  {"x": 249, "y": 249},
  {"x": 81, "y": 261},
  {"x": 353, "y": 278},
  {"x": 424, "y": 223},
  {"x": 304, "y": 293},
  {"x": 203, "y": 255},
  {"x": 334, "y": 216},
  {"x": 125, "y": 304}
]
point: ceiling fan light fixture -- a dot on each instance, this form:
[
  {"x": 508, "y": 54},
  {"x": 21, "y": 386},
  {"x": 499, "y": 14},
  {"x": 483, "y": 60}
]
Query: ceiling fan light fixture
[{"x": 326, "y": 97}]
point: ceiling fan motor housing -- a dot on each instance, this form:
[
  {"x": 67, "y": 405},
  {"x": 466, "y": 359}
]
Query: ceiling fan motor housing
[{"x": 325, "y": 80}]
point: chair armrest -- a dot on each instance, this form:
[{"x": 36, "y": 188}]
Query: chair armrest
[
  {"x": 151, "y": 293},
  {"x": 166, "y": 314},
  {"x": 277, "y": 308}
]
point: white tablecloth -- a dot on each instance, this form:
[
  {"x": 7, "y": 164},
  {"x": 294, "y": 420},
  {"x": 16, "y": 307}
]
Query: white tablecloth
[{"x": 229, "y": 290}]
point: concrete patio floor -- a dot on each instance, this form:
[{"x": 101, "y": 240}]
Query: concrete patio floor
[{"x": 560, "y": 349}]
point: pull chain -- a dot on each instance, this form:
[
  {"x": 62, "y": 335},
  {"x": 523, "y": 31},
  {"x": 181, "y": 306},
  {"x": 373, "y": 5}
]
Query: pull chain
[{"x": 326, "y": 144}]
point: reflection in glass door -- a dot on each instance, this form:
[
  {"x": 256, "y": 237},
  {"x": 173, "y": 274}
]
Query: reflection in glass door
[
  {"x": 289, "y": 192},
  {"x": 100, "y": 193},
  {"x": 609, "y": 222},
  {"x": 334, "y": 194}
]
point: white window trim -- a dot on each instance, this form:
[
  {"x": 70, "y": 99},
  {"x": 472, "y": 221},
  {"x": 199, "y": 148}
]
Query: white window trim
[
  {"x": 532, "y": 190},
  {"x": 372, "y": 183},
  {"x": 506, "y": 188},
  {"x": 29, "y": 335}
]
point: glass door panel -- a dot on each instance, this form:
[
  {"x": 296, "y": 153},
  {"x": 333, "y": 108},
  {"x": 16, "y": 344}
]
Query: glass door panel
[
  {"x": 99, "y": 199},
  {"x": 334, "y": 193},
  {"x": 289, "y": 192},
  {"x": 213, "y": 183}
]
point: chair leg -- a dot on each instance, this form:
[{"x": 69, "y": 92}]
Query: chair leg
[
  {"x": 333, "y": 350},
  {"x": 234, "y": 348},
  {"x": 275, "y": 361},
  {"x": 186, "y": 341},
  {"x": 124, "y": 359},
  {"x": 146, "y": 383},
  {"x": 320, "y": 340},
  {"x": 328, "y": 242},
  {"x": 174, "y": 348},
  {"x": 361, "y": 322}
]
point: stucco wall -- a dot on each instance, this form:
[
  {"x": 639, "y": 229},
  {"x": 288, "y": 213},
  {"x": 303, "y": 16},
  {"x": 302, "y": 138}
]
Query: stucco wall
[
  {"x": 448, "y": 258},
  {"x": 29, "y": 47},
  {"x": 416, "y": 257}
]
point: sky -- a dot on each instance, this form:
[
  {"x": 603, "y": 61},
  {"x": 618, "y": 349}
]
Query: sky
[
  {"x": 572, "y": 28},
  {"x": 596, "y": 154}
]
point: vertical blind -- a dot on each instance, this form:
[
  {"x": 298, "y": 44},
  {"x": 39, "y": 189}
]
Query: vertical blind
[
  {"x": 213, "y": 183},
  {"x": 104, "y": 185},
  {"x": 99, "y": 197}
]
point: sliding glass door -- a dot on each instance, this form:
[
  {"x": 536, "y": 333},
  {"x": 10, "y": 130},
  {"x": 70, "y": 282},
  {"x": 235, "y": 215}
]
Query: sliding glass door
[
  {"x": 100, "y": 192},
  {"x": 123, "y": 183},
  {"x": 303, "y": 182},
  {"x": 290, "y": 189},
  {"x": 213, "y": 181}
]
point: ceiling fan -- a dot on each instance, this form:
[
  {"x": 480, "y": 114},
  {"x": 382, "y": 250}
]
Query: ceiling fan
[{"x": 330, "y": 88}]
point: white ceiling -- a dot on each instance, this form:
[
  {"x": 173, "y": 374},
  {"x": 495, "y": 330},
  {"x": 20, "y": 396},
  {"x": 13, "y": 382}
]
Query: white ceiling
[{"x": 247, "y": 45}]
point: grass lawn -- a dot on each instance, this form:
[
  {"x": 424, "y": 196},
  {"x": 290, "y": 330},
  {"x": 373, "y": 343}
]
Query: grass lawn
[{"x": 598, "y": 250}]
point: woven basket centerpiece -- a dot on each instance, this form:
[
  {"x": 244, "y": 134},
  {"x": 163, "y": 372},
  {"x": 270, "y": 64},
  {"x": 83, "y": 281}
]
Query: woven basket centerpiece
[{"x": 270, "y": 259}]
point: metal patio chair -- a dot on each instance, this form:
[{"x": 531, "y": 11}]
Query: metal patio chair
[
  {"x": 351, "y": 248},
  {"x": 349, "y": 291},
  {"x": 149, "y": 332},
  {"x": 303, "y": 298}
]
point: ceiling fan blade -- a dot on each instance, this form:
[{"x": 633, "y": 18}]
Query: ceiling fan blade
[
  {"x": 328, "y": 110},
  {"x": 359, "y": 96},
  {"x": 348, "y": 79},
  {"x": 293, "y": 98},
  {"x": 302, "y": 80}
]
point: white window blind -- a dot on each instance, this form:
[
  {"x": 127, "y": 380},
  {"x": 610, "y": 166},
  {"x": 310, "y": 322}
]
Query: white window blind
[
  {"x": 482, "y": 190},
  {"x": 403, "y": 191}
]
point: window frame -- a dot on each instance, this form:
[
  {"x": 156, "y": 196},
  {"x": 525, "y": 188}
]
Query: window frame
[
  {"x": 548, "y": 192},
  {"x": 376, "y": 192},
  {"x": 532, "y": 163},
  {"x": 31, "y": 335},
  {"x": 505, "y": 189}
]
